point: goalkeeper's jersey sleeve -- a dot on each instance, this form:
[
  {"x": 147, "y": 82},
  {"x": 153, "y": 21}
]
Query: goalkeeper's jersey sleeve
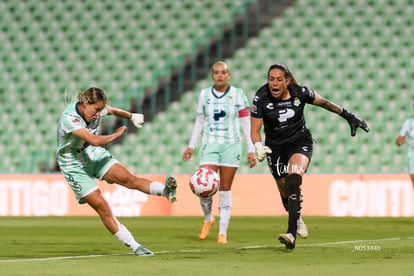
[
  {"x": 71, "y": 150},
  {"x": 221, "y": 115}
]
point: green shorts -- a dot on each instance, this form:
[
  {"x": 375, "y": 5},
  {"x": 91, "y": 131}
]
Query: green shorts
[
  {"x": 227, "y": 155},
  {"x": 83, "y": 180}
]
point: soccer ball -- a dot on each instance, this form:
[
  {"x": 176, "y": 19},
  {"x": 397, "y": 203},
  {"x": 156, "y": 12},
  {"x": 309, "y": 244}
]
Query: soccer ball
[{"x": 204, "y": 182}]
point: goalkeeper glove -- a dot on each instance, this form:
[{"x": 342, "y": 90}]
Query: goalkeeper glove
[
  {"x": 137, "y": 119},
  {"x": 261, "y": 151},
  {"x": 354, "y": 122}
]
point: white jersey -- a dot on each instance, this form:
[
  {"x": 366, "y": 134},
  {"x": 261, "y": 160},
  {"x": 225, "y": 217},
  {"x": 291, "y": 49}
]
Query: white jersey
[
  {"x": 221, "y": 115},
  {"x": 407, "y": 131},
  {"x": 73, "y": 151}
]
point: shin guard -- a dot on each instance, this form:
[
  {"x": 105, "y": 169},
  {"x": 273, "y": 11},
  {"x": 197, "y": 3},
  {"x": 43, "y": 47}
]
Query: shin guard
[{"x": 294, "y": 185}]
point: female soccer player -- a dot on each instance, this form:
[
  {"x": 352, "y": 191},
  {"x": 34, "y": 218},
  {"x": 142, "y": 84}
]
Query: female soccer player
[
  {"x": 222, "y": 110},
  {"x": 407, "y": 133},
  {"x": 82, "y": 159},
  {"x": 279, "y": 105}
]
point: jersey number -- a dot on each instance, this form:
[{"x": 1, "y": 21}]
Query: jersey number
[{"x": 286, "y": 114}]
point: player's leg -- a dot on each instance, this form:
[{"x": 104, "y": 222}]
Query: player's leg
[
  {"x": 282, "y": 187},
  {"x": 102, "y": 208},
  {"x": 209, "y": 221},
  {"x": 119, "y": 174},
  {"x": 412, "y": 179},
  {"x": 207, "y": 209},
  {"x": 410, "y": 167},
  {"x": 229, "y": 162},
  {"x": 298, "y": 163},
  {"x": 209, "y": 158},
  {"x": 225, "y": 201},
  {"x": 302, "y": 230}
]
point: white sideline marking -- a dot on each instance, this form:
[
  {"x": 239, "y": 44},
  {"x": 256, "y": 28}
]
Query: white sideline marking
[
  {"x": 193, "y": 250},
  {"x": 59, "y": 258},
  {"x": 324, "y": 244}
]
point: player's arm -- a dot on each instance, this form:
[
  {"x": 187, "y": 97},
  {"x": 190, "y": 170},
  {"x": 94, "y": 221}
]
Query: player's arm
[
  {"x": 403, "y": 133},
  {"x": 195, "y": 136},
  {"x": 261, "y": 150},
  {"x": 327, "y": 104},
  {"x": 118, "y": 112},
  {"x": 98, "y": 140},
  {"x": 255, "y": 127},
  {"x": 353, "y": 121},
  {"x": 400, "y": 140},
  {"x": 244, "y": 116},
  {"x": 136, "y": 118}
]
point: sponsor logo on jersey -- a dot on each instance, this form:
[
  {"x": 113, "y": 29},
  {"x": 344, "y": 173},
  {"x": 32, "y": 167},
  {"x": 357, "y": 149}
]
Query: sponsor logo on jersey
[
  {"x": 219, "y": 114},
  {"x": 269, "y": 106},
  {"x": 284, "y": 104}
]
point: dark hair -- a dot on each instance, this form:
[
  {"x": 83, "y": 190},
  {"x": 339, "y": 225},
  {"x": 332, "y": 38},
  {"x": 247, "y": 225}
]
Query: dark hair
[
  {"x": 285, "y": 69},
  {"x": 92, "y": 95}
]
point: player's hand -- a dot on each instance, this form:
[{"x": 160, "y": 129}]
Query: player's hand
[
  {"x": 137, "y": 119},
  {"x": 261, "y": 151},
  {"x": 121, "y": 130},
  {"x": 187, "y": 154},
  {"x": 251, "y": 159},
  {"x": 354, "y": 122}
]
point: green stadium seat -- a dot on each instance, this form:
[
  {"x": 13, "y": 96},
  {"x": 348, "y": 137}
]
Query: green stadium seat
[{"x": 353, "y": 53}]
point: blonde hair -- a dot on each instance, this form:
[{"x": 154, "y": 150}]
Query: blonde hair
[
  {"x": 92, "y": 95},
  {"x": 220, "y": 62}
]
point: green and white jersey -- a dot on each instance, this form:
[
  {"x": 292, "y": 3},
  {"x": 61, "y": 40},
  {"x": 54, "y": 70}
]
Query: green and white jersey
[
  {"x": 221, "y": 115},
  {"x": 407, "y": 131},
  {"x": 71, "y": 150}
]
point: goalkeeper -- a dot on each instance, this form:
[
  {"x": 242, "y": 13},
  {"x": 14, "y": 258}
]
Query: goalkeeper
[{"x": 279, "y": 106}]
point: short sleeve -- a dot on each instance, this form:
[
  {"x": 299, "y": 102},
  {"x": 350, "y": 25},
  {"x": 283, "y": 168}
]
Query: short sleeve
[
  {"x": 256, "y": 108},
  {"x": 309, "y": 94},
  {"x": 243, "y": 101},
  {"x": 404, "y": 128},
  {"x": 71, "y": 122}
]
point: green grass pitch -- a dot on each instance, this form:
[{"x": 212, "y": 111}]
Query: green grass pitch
[{"x": 82, "y": 246}]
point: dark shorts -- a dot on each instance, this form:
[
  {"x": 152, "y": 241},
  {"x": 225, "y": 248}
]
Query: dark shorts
[{"x": 278, "y": 159}]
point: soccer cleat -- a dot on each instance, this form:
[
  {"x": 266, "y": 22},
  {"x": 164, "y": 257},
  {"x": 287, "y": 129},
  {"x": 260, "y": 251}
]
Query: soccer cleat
[
  {"x": 302, "y": 229},
  {"x": 170, "y": 189},
  {"x": 142, "y": 251},
  {"x": 221, "y": 239},
  {"x": 205, "y": 230},
  {"x": 288, "y": 240}
]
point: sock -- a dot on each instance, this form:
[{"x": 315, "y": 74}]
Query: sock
[
  {"x": 206, "y": 206},
  {"x": 225, "y": 205},
  {"x": 156, "y": 188},
  {"x": 294, "y": 185},
  {"x": 124, "y": 236},
  {"x": 285, "y": 202}
]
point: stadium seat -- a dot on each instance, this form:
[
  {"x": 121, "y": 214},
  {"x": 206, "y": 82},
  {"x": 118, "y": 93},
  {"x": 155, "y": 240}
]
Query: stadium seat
[{"x": 357, "y": 54}]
